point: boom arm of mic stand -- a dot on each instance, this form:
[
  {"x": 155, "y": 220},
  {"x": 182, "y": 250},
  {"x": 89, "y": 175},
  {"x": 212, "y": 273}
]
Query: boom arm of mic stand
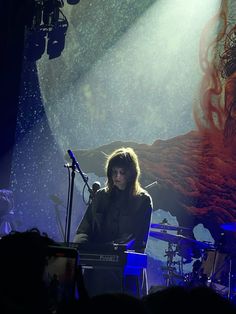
[{"x": 74, "y": 161}]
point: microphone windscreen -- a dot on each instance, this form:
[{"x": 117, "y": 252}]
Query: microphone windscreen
[{"x": 96, "y": 186}]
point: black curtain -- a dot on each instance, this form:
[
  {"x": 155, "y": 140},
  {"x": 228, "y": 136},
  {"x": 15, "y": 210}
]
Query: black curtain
[{"x": 13, "y": 17}]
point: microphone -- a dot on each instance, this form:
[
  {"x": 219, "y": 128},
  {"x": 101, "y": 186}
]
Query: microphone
[
  {"x": 72, "y": 156},
  {"x": 95, "y": 187}
]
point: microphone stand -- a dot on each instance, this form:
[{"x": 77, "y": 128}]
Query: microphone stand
[{"x": 74, "y": 166}]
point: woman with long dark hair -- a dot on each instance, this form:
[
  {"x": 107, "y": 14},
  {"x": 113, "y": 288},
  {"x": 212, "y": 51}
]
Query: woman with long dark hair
[{"x": 120, "y": 212}]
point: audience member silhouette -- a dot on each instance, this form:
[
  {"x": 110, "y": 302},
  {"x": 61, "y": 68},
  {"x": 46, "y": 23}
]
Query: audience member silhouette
[
  {"x": 23, "y": 257},
  {"x": 168, "y": 300},
  {"x": 206, "y": 299},
  {"x": 117, "y": 303},
  {"x": 22, "y": 264},
  {"x": 185, "y": 300}
]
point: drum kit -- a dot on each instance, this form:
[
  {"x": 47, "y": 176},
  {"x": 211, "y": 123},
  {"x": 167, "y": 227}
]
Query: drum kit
[{"x": 211, "y": 267}]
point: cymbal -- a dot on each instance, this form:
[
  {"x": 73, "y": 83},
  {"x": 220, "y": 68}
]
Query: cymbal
[
  {"x": 168, "y": 227},
  {"x": 230, "y": 226},
  {"x": 179, "y": 239}
]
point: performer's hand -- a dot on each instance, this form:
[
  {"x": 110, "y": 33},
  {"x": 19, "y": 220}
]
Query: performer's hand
[{"x": 80, "y": 238}]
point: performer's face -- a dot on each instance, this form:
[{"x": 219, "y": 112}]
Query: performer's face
[{"x": 119, "y": 177}]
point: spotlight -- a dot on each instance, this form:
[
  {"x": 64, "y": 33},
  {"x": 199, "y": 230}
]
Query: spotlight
[
  {"x": 34, "y": 15},
  {"x": 56, "y": 40},
  {"x": 46, "y": 19},
  {"x": 35, "y": 44},
  {"x": 51, "y": 11},
  {"x": 73, "y": 1}
]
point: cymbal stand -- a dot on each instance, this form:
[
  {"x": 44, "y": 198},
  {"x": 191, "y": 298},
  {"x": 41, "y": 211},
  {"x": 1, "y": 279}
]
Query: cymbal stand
[
  {"x": 230, "y": 277},
  {"x": 181, "y": 268},
  {"x": 170, "y": 253}
]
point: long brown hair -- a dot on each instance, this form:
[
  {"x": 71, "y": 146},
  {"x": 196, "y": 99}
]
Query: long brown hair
[{"x": 126, "y": 158}]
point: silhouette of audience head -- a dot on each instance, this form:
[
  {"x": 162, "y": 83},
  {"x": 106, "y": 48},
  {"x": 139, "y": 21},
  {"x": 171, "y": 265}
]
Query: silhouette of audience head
[
  {"x": 22, "y": 264},
  {"x": 23, "y": 257},
  {"x": 116, "y": 303},
  {"x": 183, "y": 300},
  {"x": 206, "y": 299},
  {"x": 168, "y": 300}
]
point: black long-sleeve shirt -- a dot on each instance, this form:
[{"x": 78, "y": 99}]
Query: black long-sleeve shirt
[{"x": 116, "y": 217}]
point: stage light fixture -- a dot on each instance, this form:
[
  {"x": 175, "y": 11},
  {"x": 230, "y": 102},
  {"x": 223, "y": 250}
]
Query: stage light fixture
[
  {"x": 56, "y": 40},
  {"x": 72, "y": 2},
  {"x": 51, "y": 11},
  {"x": 34, "y": 16},
  {"x": 46, "y": 20},
  {"x": 35, "y": 44}
]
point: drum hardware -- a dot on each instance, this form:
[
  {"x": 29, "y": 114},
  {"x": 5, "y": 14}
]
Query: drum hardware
[
  {"x": 196, "y": 278},
  {"x": 179, "y": 239},
  {"x": 217, "y": 268},
  {"x": 171, "y": 273},
  {"x": 166, "y": 226},
  {"x": 187, "y": 249},
  {"x": 230, "y": 280},
  {"x": 172, "y": 244}
]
